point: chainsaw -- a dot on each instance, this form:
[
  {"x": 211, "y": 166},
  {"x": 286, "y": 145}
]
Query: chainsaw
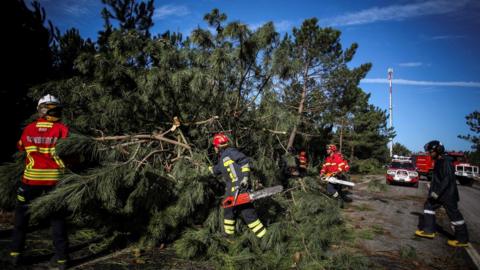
[
  {"x": 248, "y": 197},
  {"x": 334, "y": 180}
]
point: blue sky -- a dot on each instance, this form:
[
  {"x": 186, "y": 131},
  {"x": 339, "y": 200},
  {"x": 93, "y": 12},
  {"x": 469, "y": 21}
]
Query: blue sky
[{"x": 433, "y": 47}]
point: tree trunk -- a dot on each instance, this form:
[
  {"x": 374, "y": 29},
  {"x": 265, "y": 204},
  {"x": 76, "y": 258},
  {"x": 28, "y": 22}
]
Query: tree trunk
[
  {"x": 300, "y": 107},
  {"x": 351, "y": 154},
  {"x": 342, "y": 123}
]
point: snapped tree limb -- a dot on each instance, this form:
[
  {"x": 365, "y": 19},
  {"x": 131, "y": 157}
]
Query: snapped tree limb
[{"x": 153, "y": 136}]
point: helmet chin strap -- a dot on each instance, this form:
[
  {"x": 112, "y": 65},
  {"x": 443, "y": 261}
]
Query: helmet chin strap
[
  {"x": 50, "y": 118},
  {"x": 50, "y": 112},
  {"x": 42, "y": 111}
]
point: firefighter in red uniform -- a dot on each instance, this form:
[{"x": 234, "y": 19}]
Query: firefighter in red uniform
[
  {"x": 234, "y": 166},
  {"x": 302, "y": 162},
  {"x": 335, "y": 165},
  {"x": 42, "y": 171}
]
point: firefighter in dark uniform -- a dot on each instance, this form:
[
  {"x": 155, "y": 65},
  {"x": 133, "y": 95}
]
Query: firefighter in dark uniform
[
  {"x": 234, "y": 167},
  {"x": 443, "y": 192},
  {"x": 42, "y": 171}
]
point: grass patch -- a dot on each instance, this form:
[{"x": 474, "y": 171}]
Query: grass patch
[
  {"x": 377, "y": 186},
  {"x": 363, "y": 207},
  {"x": 367, "y": 234},
  {"x": 408, "y": 252},
  {"x": 370, "y": 233},
  {"x": 377, "y": 229}
]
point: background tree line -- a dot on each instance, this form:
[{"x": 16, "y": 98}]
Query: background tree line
[{"x": 143, "y": 108}]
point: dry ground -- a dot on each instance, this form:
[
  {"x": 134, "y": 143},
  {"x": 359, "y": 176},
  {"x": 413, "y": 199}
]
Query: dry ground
[
  {"x": 383, "y": 222},
  {"x": 386, "y": 220}
]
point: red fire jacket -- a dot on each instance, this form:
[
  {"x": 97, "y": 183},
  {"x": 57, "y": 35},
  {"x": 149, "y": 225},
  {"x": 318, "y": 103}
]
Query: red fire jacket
[
  {"x": 334, "y": 163},
  {"x": 302, "y": 158},
  {"x": 43, "y": 166}
]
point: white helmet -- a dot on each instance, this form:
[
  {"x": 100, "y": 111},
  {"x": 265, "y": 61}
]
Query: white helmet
[{"x": 48, "y": 99}]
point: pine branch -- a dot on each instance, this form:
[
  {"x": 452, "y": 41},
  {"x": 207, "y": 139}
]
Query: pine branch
[
  {"x": 143, "y": 161},
  {"x": 125, "y": 144},
  {"x": 208, "y": 121},
  {"x": 275, "y": 131},
  {"x": 104, "y": 258},
  {"x": 153, "y": 136}
]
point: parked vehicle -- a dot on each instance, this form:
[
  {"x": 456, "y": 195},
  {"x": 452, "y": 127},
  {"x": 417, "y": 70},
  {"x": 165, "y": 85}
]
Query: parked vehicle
[
  {"x": 424, "y": 164},
  {"x": 402, "y": 171},
  {"x": 464, "y": 171}
]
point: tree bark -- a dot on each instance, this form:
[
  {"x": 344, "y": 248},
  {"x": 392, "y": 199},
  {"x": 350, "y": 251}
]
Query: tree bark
[
  {"x": 351, "y": 154},
  {"x": 342, "y": 123},
  {"x": 300, "y": 107}
]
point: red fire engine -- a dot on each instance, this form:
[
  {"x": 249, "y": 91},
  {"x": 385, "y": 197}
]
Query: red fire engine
[{"x": 464, "y": 171}]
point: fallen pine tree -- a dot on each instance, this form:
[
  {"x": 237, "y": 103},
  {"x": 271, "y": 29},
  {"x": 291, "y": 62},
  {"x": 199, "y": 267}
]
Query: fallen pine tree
[{"x": 143, "y": 110}]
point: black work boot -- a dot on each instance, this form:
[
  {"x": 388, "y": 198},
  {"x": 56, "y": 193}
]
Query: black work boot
[
  {"x": 338, "y": 198},
  {"x": 340, "y": 202},
  {"x": 345, "y": 198},
  {"x": 15, "y": 258},
  {"x": 58, "y": 264},
  {"x": 62, "y": 265}
]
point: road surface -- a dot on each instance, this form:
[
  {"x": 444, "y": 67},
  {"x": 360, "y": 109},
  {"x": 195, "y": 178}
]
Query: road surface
[
  {"x": 385, "y": 222},
  {"x": 470, "y": 207}
]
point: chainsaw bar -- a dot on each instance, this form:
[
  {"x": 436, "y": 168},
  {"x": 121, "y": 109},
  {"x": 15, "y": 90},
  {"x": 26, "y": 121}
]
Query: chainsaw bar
[
  {"x": 334, "y": 180},
  {"x": 246, "y": 197},
  {"x": 266, "y": 192}
]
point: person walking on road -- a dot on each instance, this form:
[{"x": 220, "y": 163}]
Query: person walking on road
[{"x": 443, "y": 192}]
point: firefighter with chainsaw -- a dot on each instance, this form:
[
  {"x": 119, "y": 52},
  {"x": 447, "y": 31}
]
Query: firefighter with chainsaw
[
  {"x": 443, "y": 192},
  {"x": 234, "y": 166},
  {"x": 335, "y": 165},
  {"x": 43, "y": 169}
]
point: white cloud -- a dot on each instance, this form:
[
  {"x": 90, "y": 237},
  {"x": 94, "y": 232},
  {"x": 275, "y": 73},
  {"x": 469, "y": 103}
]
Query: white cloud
[
  {"x": 423, "y": 83},
  {"x": 170, "y": 10},
  {"x": 255, "y": 26},
  {"x": 411, "y": 64},
  {"x": 280, "y": 26},
  {"x": 397, "y": 12},
  {"x": 283, "y": 25},
  {"x": 447, "y": 37},
  {"x": 76, "y": 10}
]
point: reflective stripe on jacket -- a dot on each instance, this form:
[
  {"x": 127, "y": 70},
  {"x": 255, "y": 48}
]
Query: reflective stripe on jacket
[
  {"x": 302, "y": 159},
  {"x": 233, "y": 165},
  {"x": 334, "y": 163},
  {"x": 42, "y": 164}
]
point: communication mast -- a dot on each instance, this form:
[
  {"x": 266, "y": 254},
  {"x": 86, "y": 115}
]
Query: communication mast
[{"x": 390, "y": 77}]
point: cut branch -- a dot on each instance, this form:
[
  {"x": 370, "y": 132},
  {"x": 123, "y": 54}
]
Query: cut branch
[
  {"x": 208, "y": 121},
  {"x": 158, "y": 137},
  {"x": 275, "y": 131}
]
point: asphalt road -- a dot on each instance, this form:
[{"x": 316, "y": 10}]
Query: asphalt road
[
  {"x": 385, "y": 221},
  {"x": 469, "y": 205}
]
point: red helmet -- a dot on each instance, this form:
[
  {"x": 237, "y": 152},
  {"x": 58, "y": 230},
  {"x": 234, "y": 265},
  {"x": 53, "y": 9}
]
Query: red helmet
[
  {"x": 332, "y": 147},
  {"x": 220, "y": 139}
]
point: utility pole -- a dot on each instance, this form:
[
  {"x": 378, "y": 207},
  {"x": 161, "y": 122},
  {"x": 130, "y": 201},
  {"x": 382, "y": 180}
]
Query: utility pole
[{"x": 390, "y": 77}]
